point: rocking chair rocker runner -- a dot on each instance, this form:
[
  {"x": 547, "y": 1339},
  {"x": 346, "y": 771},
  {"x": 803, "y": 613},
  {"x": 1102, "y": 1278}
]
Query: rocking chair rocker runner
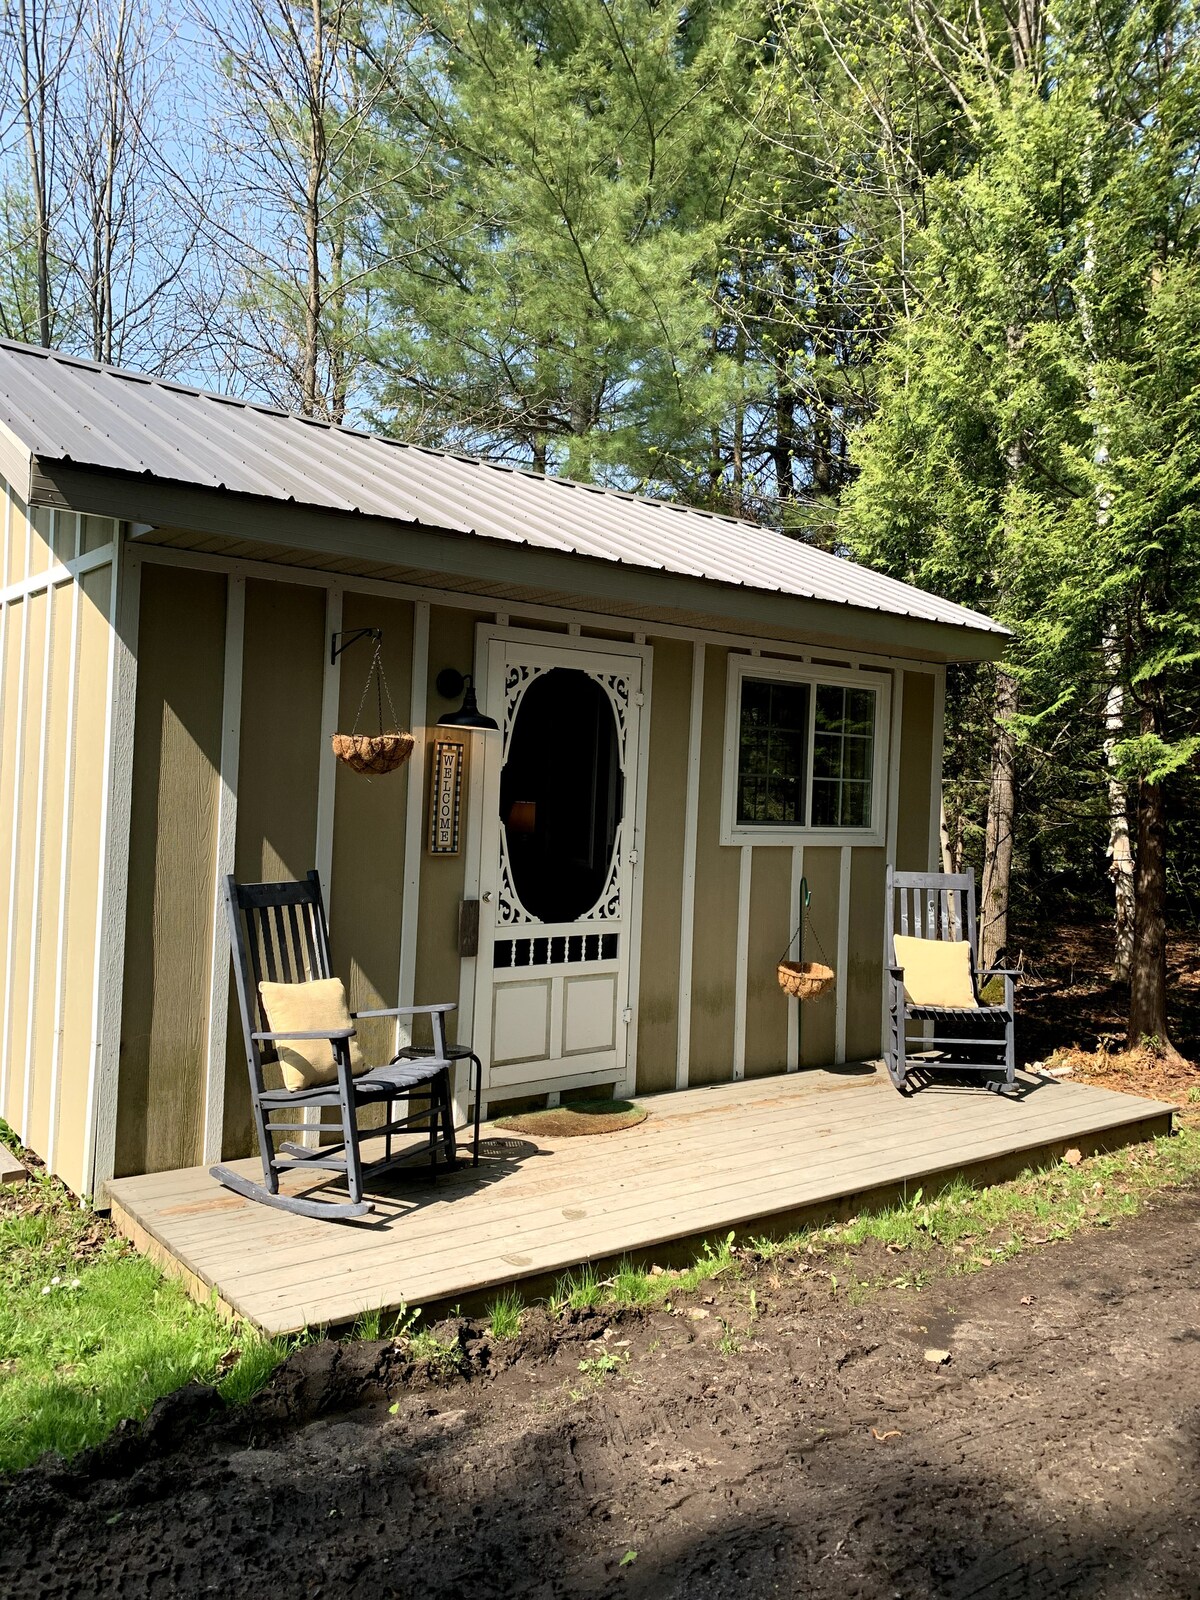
[
  {"x": 968, "y": 1037},
  {"x": 279, "y": 934}
]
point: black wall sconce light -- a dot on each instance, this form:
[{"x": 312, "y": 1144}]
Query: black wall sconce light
[{"x": 450, "y": 684}]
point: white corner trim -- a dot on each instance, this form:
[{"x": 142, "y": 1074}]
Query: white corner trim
[
  {"x": 691, "y": 813},
  {"x": 742, "y": 961},
  {"x": 227, "y": 800},
  {"x": 843, "y": 953},
  {"x": 100, "y": 1135}
]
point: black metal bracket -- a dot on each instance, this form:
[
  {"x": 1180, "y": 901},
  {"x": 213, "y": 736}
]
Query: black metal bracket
[
  {"x": 450, "y": 683},
  {"x": 351, "y": 636}
]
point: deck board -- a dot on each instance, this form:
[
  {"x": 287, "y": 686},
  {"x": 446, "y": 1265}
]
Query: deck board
[{"x": 706, "y": 1160}]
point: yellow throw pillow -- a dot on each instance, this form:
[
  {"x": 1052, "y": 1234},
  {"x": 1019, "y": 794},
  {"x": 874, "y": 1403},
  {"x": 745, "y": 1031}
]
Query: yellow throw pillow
[
  {"x": 937, "y": 972},
  {"x": 307, "y": 1008}
]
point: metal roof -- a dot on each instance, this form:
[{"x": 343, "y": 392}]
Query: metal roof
[{"x": 61, "y": 408}]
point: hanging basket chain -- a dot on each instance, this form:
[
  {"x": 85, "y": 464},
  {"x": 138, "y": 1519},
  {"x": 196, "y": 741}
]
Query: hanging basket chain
[
  {"x": 382, "y": 751},
  {"x": 804, "y": 980},
  {"x": 377, "y": 675}
]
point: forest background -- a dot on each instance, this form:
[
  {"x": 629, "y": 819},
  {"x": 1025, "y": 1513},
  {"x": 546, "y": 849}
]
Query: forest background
[{"x": 915, "y": 280}]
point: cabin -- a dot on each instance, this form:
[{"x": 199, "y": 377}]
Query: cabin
[{"x": 639, "y": 730}]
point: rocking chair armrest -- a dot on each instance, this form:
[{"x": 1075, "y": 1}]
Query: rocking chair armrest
[
  {"x": 409, "y": 1011},
  {"x": 999, "y": 972},
  {"x": 330, "y": 1034}
]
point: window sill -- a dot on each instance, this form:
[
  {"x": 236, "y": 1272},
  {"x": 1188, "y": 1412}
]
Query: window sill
[{"x": 864, "y": 838}]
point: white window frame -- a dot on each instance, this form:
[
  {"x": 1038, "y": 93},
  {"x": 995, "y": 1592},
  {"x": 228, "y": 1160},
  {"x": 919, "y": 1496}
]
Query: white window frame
[{"x": 775, "y": 669}]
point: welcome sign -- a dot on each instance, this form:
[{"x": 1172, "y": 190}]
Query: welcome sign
[{"x": 445, "y": 805}]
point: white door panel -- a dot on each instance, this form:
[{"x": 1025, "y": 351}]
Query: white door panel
[{"x": 558, "y": 855}]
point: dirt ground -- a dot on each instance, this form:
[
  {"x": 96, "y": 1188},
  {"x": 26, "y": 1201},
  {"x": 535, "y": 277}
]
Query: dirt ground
[
  {"x": 805, "y": 1446},
  {"x": 1066, "y": 996}
]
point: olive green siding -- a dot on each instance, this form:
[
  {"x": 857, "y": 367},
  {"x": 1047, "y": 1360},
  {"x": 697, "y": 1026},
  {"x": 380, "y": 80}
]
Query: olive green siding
[
  {"x": 662, "y": 869},
  {"x": 168, "y": 946},
  {"x": 282, "y": 749}
]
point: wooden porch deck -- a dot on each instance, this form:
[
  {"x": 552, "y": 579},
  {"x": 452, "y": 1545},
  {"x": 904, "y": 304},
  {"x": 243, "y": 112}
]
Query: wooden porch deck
[{"x": 753, "y": 1156}]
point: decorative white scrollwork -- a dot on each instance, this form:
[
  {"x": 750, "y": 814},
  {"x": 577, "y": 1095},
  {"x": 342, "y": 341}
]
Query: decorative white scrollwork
[{"x": 517, "y": 679}]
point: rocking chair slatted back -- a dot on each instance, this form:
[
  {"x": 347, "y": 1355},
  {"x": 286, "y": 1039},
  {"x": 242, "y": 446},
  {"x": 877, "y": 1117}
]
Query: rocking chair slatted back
[
  {"x": 931, "y": 905},
  {"x": 978, "y": 1041},
  {"x": 278, "y": 933},
  {"x": 281, "y": 936}
]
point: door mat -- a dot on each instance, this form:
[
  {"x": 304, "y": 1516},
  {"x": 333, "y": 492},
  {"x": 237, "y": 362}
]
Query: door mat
[{"x": 576, "y": 1118}]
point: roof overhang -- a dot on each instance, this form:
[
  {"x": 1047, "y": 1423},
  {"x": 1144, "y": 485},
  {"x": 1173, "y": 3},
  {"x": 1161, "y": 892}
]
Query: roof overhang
[{"x": 156, "y": 502}]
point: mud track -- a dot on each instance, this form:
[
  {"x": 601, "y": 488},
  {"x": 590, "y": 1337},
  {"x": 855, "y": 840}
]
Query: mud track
[{"x": 1054, "y": 1454}]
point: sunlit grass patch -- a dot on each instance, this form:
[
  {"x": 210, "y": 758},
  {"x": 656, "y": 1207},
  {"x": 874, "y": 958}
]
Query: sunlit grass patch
[{"x": 91, "y": 1333}]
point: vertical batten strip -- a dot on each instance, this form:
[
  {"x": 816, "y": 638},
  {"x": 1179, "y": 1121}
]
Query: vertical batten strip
[
  {"x": 843, "y": 952},
  {"x": 414, "y": 811},
  {"x": 895, "y": 734},
  {"x": 100, "y": 1131},
  {"x": 742, "y": 965},
  {"x": 36, "y": 864},
  {"x": 690, "y": 829},
  {"x": 795, "y": 919},
  {"x": 331, "y": 688},
  {"x": 64, "y": 863},
  {"x": 227, "y": 798},
  {"x": 634, "y": 971},
  {"x": 14, "y": 867},
  {"x": 935, "y": 775}
]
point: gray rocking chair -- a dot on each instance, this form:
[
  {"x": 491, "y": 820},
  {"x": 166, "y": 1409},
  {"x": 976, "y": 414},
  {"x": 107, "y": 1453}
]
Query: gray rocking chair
[
  {"x": 278, "y": 932},
  {"x": 977, "y": 1040}
]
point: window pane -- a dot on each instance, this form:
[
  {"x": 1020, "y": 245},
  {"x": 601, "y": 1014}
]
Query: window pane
[
  {"x": 772, "y": 753},
  {"x": 825, "y": 803},
  {"x": 843, "y": 757},
  {"x": 857, "y": 758},
  {"x": 856, "y": 805},
  {"x": 831, "y": 707},
  {"x": 775, "y": 754}
]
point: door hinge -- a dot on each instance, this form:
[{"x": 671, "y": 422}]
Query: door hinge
[
  {"x": 633, "y": 858},
  {"x": 639, "y": 699},
  {"x": 627, "y": 1015}
]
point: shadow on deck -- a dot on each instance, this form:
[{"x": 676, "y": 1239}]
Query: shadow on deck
[{"x": 758, "y": 1157}]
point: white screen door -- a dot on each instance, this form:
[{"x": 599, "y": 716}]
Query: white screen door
[{"x": 558, "y": 855}]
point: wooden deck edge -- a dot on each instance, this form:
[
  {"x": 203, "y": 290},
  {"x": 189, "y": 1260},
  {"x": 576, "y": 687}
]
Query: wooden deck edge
[
  {"x": 681, "y": 1251},
  {"x": 12, "y": 1170},
  {"x": 169, "y": 1264}
]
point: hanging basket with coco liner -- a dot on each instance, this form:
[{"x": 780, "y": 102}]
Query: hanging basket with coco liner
[
  {"x": 804, "y": 980},
  {"x": 373, "y": 753}
]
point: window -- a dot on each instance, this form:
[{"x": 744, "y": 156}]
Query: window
[{"x": 805, "y": 747}]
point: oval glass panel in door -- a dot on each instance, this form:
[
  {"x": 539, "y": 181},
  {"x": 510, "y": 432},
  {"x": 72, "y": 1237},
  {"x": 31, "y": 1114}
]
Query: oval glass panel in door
[{"x": 561, "y": 797}]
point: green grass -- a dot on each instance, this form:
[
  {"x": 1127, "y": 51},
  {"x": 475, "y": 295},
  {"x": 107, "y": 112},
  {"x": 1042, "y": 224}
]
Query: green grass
[
  {"x": 91, "y": 1333},
  {"x": 504, "y": 1316},
  {"x": 89, "y": 1336},
  {"x": 976, "y": 1226}
]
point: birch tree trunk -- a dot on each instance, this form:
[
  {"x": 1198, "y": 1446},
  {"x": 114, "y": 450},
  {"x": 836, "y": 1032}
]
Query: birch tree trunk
[
  {"x": 1001, "y": 823},
  {"x": 1120, "y": 845}
]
